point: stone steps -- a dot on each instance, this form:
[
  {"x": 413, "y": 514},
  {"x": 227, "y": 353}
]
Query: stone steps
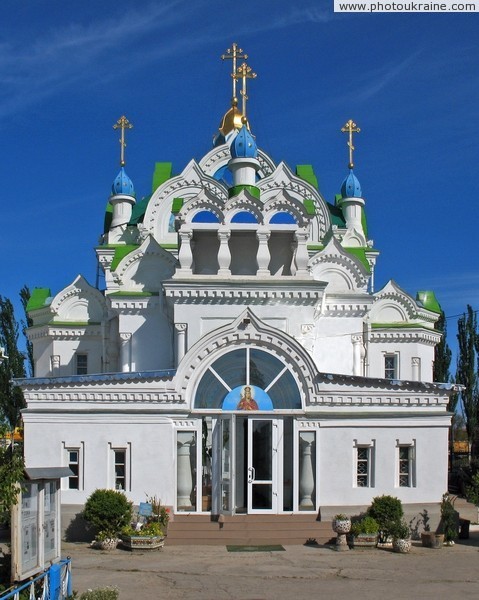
[{"x": 247, "y": 530}]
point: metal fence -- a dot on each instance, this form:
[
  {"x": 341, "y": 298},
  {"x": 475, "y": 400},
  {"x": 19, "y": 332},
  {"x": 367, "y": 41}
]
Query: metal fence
[{"x": 55, "y": 583}]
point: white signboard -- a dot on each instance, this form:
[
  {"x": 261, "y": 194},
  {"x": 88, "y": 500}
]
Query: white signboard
[{"x": 35, "y": 528}]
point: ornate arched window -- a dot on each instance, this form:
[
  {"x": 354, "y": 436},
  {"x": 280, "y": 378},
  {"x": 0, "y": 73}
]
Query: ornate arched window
[{"x": 271, "y": 383}]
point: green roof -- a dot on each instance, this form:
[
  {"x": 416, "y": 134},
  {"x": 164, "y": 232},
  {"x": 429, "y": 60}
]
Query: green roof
[
  {"x": 399, "y": 326},
  {"x": 307, "y": 173},
  {"x": 162, "y": 173},
  {"x": 309, "y": 206},
  {"x": 360, "y": 254},
  {"x": 336, "y": 213},
  {"x": 138, "y": 211},
  {"x": 38, "y": 298},
  {"x": 121, "y": 252},
  {"x": 429, "y": 301},
  {"x": 176, "y": 205}
]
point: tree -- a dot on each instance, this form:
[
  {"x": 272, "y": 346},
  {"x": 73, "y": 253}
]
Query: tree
[
  {"x": 11, "y": 473},
  {"x": 11, "y": 397},
  {"x": 28, "y": 322},
  {"x": 466, "y": 374}
]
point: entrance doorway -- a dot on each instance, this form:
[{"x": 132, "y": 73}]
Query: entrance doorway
[{"x": 251, "y": 456}]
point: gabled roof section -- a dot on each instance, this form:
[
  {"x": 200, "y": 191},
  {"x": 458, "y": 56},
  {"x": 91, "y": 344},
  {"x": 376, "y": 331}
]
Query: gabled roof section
[
  {"x": 204, "y": 200},
  {"x": 343, "y": 271},
  {"x": 79, "y": 303},
  {"x": 282, "y": 179},
  {"x": 393, "y": 306}
]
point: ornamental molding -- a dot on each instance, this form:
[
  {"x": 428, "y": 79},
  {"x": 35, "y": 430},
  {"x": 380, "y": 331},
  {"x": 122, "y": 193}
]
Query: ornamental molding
[
  {"x": 187, "y": 185},
  {"x": 398, "y": 401},
  {"x": 64, "y": 332},
  {"x": 199, "y": 291},
  {"x": 430, "y": 338},
  {"x": 134, "y": 305},
  {"x": 204, "y": 200},
  {"x": 282, "y": 179},
  {"x": 149, "y": 247},
  {"x": 244, "y": 201},
  {"x": 100, "y": 399},
  {"x": 392, "y": 294},
  {"x": 79, "y": 293},
  {"x": 284, "y": 202},
  {"x": 245, "y": 331}
]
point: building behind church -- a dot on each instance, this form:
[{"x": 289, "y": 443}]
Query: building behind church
[{"x": 239, "y": 359}]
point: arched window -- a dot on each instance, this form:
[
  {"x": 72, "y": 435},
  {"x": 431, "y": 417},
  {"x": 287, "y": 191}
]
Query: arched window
[
  {"x": 282, "y": 218},
  {"x": 271, "y": 383},
  {"x": 244, "y": 217},
  {"x": 205, "y": 216}
]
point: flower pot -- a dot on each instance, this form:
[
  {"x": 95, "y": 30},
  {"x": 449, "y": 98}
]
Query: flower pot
[
  {"x": 107, "y": 544},
  {"x": 401, "y": 545},
  {"x": 142, "y": 542},
  {"x": 341, "y": 527}
]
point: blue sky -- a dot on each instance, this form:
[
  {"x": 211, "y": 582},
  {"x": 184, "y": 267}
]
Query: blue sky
[{"x": 69, "y": 70}]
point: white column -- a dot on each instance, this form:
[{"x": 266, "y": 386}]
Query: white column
[
  {"x": 184, "y": 476},
  {"x": 416, "y": 368},
  {"x": 185, "y": 255},
  {"x": 358, "y": 354},
  {"x": 224, "y": 253},
  {"x": 55, "y": 362},
  {"x": 125, "y": 352},
  {"x": 263, "y": 256},
  {"x": 301, "y": 256},
  {"x": 180, "y": 329},
  {"x": 306, "y": 480}
]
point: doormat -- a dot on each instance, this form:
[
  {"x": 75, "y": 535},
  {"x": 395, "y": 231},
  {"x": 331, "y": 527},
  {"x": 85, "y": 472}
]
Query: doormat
[{"x": 267, "y": 548}]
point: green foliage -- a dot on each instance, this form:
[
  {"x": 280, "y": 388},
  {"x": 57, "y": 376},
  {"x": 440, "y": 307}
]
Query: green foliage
[
  {"x": 367, "y": 525},
  {"x": 399, "y": 530},
  {"x": 449, "y": 519},
  {"x": 159, "y": 513},
  {"x": 466, "y": 374},
  {"x": 152, "y": 528},
  {"x": 442, "y": 354},
  {"x": 11, "y": 397},
  {"x": 11, "y": 473},
  {"x": 341, "y": 517},
  {"x": 472, "y": 490},
  {"x": 108, "y": 511},
  {"x": 388, "y": 512},
  {"x": 26, "y": 323}
]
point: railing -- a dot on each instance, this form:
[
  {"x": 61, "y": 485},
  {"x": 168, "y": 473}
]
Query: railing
[{"x": 55, "y": 583}]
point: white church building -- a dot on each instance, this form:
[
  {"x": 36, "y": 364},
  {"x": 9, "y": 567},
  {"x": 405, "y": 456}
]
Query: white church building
[{"x": 239, "y": 359}]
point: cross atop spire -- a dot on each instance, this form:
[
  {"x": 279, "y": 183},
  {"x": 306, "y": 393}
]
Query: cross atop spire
[
  {"x": 233, "y": 54},
  {"x": 122, "y": 124},
  {"x": 350, "y": 128},
  {"x": 244, "y": 72}
]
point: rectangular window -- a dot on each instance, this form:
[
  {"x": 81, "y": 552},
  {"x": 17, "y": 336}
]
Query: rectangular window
[
  {"x": 74, "y": 464},
  {"x": 405, "y": 466},
  {"x": 363, "y": 466},
  {"x": 81, "y": 364},
  {"x": 120, "y": 469},
  {"x": 390, "y": 366}
]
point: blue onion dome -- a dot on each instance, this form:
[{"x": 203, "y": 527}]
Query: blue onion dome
[
  {"x": 244, "y": 145},
  {"x": 351, "y": 188},
  {"x": 122, "y": 184}
]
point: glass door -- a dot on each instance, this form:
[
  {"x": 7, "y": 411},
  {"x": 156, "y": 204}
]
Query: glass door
[
  {"x": 262, "y": 465},
  {"x": 225, "y": 454}
]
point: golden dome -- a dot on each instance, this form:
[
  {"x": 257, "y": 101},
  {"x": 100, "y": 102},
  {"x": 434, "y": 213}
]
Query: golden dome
[{"x": 232, "y": 119}]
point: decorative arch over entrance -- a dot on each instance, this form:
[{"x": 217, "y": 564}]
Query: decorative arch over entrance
[{"x": 247, "y": 378}]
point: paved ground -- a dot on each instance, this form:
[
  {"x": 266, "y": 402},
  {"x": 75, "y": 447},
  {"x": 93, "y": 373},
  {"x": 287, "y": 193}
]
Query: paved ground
[{"x": 300, "y": 572}]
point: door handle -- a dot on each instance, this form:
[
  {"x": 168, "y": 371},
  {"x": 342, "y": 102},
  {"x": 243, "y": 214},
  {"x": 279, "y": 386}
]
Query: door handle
[{"x": 251, "y": 474}]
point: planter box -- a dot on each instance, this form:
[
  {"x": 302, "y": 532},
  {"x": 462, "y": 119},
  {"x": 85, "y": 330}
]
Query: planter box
[
  {"x": 142, "y": 542},
  {"x": 364, "y": 540}
]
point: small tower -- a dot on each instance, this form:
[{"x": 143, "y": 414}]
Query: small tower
[
  {"x": 122, "y": 198},
  {"x": 351, "y": 201}
]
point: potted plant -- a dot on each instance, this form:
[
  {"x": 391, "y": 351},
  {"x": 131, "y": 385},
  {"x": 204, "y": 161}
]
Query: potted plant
[
  {"x": 387, "y": 511},
  {"x": 401, "y": 536},
  {"x": 341, "y": 525},
  {"x": 364, "y": 532},
  {"x": 449, "y": 520},
  {"x": 108, "y": 511},
  {"x": 150, "y": 534}
]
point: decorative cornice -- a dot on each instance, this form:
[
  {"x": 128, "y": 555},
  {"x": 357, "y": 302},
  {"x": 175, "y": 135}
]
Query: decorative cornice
[
  {"x": 429, "y": 337},
  {"x": 64, "y": 331}
]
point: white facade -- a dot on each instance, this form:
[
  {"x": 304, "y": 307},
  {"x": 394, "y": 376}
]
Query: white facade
[{"x": 214, "y": 287}]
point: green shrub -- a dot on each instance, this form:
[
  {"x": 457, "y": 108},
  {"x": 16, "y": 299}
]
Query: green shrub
[
  {"x": 449, "y": 519},
  {"x": 367, "y": 525},
  {"x": 108, "y": 511},
  {"x": 472, "y": 491},
  {"x": 388, "y": 511},
  {"x": 399, "y": 530}
]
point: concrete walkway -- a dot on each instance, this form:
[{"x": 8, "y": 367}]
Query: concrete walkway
[{"x": 213, "y": 573}]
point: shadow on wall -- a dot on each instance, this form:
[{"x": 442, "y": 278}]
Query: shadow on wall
[{"x": 76, "y": 529}]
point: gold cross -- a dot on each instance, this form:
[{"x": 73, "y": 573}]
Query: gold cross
[
  {"x": 234, "y": 53},
  {"x": 122, "y": 124},
  {"x": 244, "y": 72},
  {"x": 350, "y": 128}
]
